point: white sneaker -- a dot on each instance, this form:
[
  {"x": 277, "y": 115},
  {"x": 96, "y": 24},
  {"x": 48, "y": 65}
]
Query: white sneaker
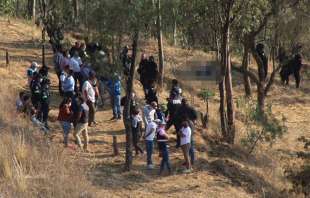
[{"x": 150, "y": 166}]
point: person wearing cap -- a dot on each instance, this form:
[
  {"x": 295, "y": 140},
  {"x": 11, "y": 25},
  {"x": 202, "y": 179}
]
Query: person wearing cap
[
  {"x": 31, "y": 71},
  {"x": 89, "y": 95},
  {"x": 149, "y": 136},
  {"x": 162, "y": 139}
]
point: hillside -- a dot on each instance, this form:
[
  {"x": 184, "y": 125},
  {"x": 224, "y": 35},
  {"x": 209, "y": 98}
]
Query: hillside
[{"x": 220, "y": 171}]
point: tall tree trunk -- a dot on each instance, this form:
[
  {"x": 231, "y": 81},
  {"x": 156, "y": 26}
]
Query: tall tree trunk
[
  {"x": 17, "y": 8},
  {"x": 76, "y": 11},
  {"x": 34, "y": 10},
  {"x": 174, "y": 27},
  {"x": 126, "y": 114},
  {"x": 228, "y": 88},
  {"x": 160, "y": 45},
  {"x": 222, "y": 108},
  {"x": 245, "y": 66}
]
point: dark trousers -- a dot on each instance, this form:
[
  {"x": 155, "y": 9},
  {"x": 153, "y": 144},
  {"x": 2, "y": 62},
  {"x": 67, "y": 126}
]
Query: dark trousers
[
  {"x": 135, "y": 140},
  {"x": 149, "y": 151},
  {"x": 192, "y": 152},
  {"x": 69, "y": 94},
  {"x": 44, "y": 111},
  {"x": 92, "y": 111},
  {"x": 165, "y": 156},
  {"x": 297, "y": 78}
]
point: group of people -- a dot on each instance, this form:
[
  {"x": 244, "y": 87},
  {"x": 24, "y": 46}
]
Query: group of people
[{"x": 81, "y": 89}]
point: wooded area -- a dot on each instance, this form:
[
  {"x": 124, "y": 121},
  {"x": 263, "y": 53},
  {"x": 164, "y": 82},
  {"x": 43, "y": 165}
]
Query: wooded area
[{"x": 251, "y": 30}]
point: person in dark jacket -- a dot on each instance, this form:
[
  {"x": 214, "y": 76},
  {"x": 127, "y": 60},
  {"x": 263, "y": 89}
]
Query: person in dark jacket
[
  {"x": 126, "y": 60},
  {"x": 151, "y": 72},
  {"x": 142, "y": 70}
]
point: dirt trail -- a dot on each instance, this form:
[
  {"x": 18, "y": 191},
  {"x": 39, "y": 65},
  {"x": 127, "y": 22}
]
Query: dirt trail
[{"x": 220, "y": 171}]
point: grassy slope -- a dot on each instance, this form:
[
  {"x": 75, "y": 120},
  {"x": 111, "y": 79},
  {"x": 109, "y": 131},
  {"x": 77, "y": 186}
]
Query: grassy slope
[{"x": 221, "y": 171}]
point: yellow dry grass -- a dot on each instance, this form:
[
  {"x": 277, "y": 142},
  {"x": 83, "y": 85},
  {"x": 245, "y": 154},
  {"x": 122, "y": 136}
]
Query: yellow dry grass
[{"x": 30, "y": 167}]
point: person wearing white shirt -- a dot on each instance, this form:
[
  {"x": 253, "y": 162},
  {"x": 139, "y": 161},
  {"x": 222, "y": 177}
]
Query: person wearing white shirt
[
  {"x": 149, "y": 136},
  {"x": 89, "y": 96},
  {"x": 149, "y": 112},
  {"x": 185, "y": 134}
]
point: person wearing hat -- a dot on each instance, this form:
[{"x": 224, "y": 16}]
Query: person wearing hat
[
  {"x": 31, "y": 71},
  {"x": 149, "y": 136},
  {"x": 162, "y": 139}
]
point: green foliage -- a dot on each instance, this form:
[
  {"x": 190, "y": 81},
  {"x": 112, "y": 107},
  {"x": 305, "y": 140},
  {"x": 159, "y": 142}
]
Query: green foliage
[
  {"x": 206, "y": 94},
  {"x": 259, "y": 127},
  {"x": 7, "y": 7}
]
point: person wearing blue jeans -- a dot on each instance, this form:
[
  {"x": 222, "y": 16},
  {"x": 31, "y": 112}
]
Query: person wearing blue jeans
[
  {"x": 149, "y": 136},
  {"x": 117, "y": 107},
  {"x": 162, "y": 139},
  {"x": 115, "y": 92},
  {"x": 149, "y": 152}
]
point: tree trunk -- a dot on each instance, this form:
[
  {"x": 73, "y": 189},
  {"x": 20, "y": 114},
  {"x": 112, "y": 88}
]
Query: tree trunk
[
  {"x": 76, "y": 11},
  {"x": 34, "y": 10},
  {"x": 245, "y": 67},
  {"x": 261, "y": 99},
  {"x": 228, "y": 88},
  {"x": 222, "y": 109},
  {"x": 174, "y": 27},
  {"x": 126, "y": 114},
  {"x": 17, "y": 8},
  {"x": 160, "y": 45}
]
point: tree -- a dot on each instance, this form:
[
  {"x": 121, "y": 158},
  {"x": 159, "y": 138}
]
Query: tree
[{"x": 160, "y": 45}]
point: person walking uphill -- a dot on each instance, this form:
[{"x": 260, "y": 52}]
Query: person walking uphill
[
  {"x": 67, "y": 82},
  {"x": 82, "y": 124},
  {"x": 65, "y": 118},
  {"x": 89, "y": 95}
]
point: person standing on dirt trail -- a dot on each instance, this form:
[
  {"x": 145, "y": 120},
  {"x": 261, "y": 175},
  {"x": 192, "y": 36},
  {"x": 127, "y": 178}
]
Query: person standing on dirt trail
[
  {"x": 67, "y": 82},
  {"x": 35, "y": 89},
  {"x": 175, "y": 91},
  {"x": 65, "y": 118},
  {"x": 65, "y": 60},
  {"x": 142, "y": 70},
  {"x": 126, "y": 60},
  {"x": 185, "y": 134},
  {"x": 89, "y": 95},
  {"x": 45, "y": 98},
  {"x": 31, "y": 71},
  {"x": 136, "y": 130},
  {"x": 151, "y": 72},
  {"x": 189, "y": 114},
  {"x": 149, "y": 112},
  {"x": 117, "y": 86},
  {"x": 149, "y": 136},
  {"x": 82, "y": 124},
  {"x": 58, "y": 57},
  {"x": 151, "y": 93},
  {"x": 162, "y": 140},
  {"x": 75, "y": 65},
  {"x": 174, "y": 103},
  {"x": 75, "y": 48}
]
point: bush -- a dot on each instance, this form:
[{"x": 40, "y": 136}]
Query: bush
[{"x": 259, "y": 127}]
